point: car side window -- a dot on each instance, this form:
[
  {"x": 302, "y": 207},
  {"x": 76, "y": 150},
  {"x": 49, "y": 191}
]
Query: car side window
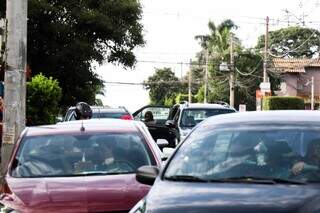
[
  {"x": 138, "y": 117},
  {"x": 173, "y": 113}
]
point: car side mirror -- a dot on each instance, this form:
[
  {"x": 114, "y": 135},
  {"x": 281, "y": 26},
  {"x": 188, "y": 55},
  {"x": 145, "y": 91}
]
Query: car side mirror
[
  {"x": 147, "y": 174},
  {"x": 162, "y": 143},
  {"x": 167, "y": 152},
  {"x": 170, "y": 123}
]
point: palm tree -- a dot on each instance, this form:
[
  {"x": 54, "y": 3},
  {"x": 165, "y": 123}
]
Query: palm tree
[
  {"x": 218, "y": 41},
  {"x": 217, "y": 44}
]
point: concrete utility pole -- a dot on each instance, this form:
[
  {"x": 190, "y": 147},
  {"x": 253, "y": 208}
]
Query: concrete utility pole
[
  {"x": 181, "y": 74},
  {"x": 231, "y": 82},
  {"x": 266, "y": 49},
  {"x": 312, "y": 93},
  {"x": 190, "y": 83},
  {"x": 206, "y": 78},
  {"x": 15, "y": 77}
]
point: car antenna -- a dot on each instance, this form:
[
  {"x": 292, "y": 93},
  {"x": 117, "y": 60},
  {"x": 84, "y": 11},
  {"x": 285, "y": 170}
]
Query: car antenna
[{"x": 82, "y": 129}]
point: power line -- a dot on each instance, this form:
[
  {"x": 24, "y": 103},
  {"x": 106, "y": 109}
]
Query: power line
[
  {"x": 162, "y": 62},
  {"x": 259, "y": 22},
  {"x": 148, "y": 83}
]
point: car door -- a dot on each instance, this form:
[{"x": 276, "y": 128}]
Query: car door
[
  {"x": 172, "y": 124},
  {"x": 157, "y": 129}
]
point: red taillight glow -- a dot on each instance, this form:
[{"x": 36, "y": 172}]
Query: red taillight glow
[{"x": 126, "y": 117}]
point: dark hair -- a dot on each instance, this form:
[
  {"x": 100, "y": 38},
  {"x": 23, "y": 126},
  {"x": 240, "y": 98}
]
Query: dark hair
[
  {"x": 149, "y": 116},
  {"x": 279, "y": 149},
  {"x": 83, "y": 111}
]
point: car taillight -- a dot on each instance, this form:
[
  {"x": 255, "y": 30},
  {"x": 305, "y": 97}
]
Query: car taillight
[
  {"x": 126, "y": 117},
  {"x": 5, "y": 189}
]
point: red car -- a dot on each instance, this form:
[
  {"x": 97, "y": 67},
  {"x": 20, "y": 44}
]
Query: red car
[{"x": 79, "y": 166}]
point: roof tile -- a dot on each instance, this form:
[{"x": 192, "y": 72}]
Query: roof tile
[{"x": 294, "y": 65}]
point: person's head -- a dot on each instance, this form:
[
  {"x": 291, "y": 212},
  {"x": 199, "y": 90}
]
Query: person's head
[
  {"x": 148, "y": 116},
  {"x": 313, "y": 150},
  {"x": 83, "y": 111},
  {"x": 279, "y": 152}
]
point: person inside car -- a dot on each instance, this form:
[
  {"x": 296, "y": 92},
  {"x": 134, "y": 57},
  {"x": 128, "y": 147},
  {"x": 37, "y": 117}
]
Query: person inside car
[
  {"x": 148, "y": 118},
  {"x": 112, "y": 159},
  {"x": 279, "y": 159},
  {"x": 311, "y": 161}
]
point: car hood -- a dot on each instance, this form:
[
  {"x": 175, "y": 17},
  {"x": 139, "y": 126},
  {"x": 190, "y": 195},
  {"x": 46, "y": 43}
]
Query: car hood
[
  {"x": 232, "y": 198},
  {"x": 74, "y": 194}
]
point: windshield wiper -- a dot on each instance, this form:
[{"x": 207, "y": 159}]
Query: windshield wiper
[
  {"x": 254, "y": 179},
  {"x": 187, "y": 178}
]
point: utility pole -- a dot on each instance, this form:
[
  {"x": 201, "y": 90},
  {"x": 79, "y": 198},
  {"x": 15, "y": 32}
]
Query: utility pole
[
  {"x": 266, "y": 49},
  {"x": 190, "y": 82},
  {"x": 181, "y": 76},
  {"x": 206, "y": 78},
  {"x": 312, "y": 93},
  {"x": 231, "y": 82},
  {"x": 15, "y": 77}
]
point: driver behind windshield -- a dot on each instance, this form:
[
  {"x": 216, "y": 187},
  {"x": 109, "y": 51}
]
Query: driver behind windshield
[
  {"x": 311, "y": 162},
  {"x": 113, "y": 159},
  {"x": 279, "y": 158}
]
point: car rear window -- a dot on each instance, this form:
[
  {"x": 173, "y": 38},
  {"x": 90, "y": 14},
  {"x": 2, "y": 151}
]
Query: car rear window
[
  {"x": 191, "y": 117},
  {"x": 76, "y": 155},
  {"x": 108, "y": 115}
]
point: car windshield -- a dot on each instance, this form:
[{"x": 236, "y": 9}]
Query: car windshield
[
  {"x": 76, "y": 155},
  {"x": 191, "y": 117},
  {"x": 279, "y": 151}
]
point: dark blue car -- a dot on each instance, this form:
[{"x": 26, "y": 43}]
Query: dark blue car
[{"x": 256, "y": 162}]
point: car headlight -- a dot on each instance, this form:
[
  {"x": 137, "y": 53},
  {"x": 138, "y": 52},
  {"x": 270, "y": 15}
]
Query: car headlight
[{"x": 140, "y": 207}]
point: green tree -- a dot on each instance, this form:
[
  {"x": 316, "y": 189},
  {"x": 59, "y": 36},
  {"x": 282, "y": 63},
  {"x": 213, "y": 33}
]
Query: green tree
[
  {"x": 43, "y": 96},
  {"x": 292, "y": 42},
  {"x": 163, "y": 86},
  {"x": 66, "y": 36}
]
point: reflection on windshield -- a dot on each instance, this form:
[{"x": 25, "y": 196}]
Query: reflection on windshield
[
  {"x": 107, "y": 115},
  {"x": 191, "y": 117},
  {"x": 72, "y": 155},
  {"x": 276, "y": 152}
]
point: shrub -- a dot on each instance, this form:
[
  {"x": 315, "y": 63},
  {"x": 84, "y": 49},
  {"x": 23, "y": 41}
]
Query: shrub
[
  {"x": 283, "y": 103},
  {"x": 185, "y": 97},
  {"x": 43, "y": 96}
]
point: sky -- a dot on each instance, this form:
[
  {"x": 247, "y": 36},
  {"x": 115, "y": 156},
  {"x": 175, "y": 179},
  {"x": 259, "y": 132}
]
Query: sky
[{"x": 169, "y": 30}]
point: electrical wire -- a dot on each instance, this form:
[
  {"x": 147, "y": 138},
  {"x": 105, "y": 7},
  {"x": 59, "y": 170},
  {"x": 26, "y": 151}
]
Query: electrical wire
[
  {"x": 248, "y": 74},
  {"x": 149, "y": 83}
]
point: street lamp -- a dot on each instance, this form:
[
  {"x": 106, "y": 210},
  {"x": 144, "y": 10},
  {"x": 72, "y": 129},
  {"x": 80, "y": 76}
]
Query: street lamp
[
  {"x": 312, "y": 91},
  {"x": 225, "y": 67}
]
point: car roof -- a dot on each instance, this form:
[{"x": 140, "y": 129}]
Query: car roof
[
  {"x": 288, "y": 116},
  {"x": 99, "y": 107},
  {"x": 93, "y": 125},
  {"x": 203, "y": 106}
]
